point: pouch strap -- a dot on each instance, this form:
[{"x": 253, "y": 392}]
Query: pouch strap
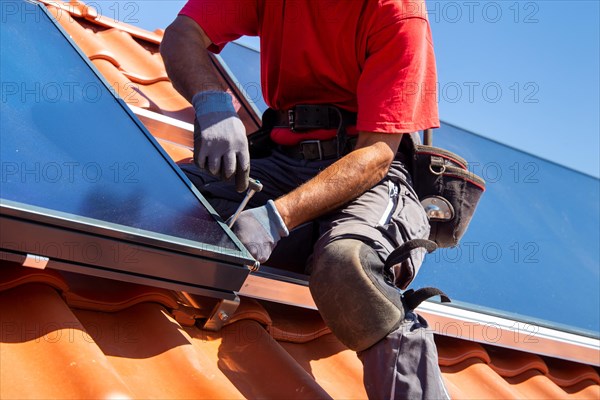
[
  {"x": 412, "y": 298},
  {"x": 399, "y": 256},
  {"x": 402, "y": 253}
]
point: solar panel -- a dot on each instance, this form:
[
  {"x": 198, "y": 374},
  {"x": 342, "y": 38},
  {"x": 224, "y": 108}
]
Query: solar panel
[{"x": 82, "y": 178}]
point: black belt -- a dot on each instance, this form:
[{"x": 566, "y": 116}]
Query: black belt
[
  {"x": 312, "y": 150},
  {"x": 305, "y": 117}
]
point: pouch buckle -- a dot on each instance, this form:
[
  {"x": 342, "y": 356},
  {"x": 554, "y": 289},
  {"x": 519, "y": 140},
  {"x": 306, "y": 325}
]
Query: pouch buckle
[
  {"x": 312, "y": 142},
  {"x": 292, "y": 119}
]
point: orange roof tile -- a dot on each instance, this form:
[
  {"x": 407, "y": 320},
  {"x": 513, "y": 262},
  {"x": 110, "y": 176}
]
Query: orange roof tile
[
  {"x": 66, "y": 335},
  {"x": 70, "y": 336}
]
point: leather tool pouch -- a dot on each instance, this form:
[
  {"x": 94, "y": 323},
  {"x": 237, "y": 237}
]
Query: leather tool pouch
[
  {"x": 448, "y": 191},
  {"x": 259, "y": 142}
]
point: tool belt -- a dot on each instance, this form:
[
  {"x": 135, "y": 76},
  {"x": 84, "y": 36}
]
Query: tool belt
[
  {"x": 305, "y": 117},
  {"x": 314, "y": 150},
  {"x": 301, "y": 119},
  {"x": 448, "y": 191}
]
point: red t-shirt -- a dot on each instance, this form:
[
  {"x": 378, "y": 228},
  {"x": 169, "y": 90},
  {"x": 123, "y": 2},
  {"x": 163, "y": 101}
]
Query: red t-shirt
[{"x": 367, "y": 56}]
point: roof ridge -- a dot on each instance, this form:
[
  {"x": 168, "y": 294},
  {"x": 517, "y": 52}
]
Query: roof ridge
[{"x": 90, "y": 13}]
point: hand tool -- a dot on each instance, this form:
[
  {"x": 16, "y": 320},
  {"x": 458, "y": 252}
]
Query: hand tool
[{"x": 254, "y": 186}]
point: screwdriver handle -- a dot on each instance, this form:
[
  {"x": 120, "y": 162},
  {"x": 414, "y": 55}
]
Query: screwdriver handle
[{"x": 254, "y": 184}]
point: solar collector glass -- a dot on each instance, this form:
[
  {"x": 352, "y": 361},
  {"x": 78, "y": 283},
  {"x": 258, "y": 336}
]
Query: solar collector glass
[{"x": 68, "y": 145}]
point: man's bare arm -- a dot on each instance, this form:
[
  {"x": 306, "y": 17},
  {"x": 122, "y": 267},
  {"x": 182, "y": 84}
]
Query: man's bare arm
[
  {"x": 341, "y": 182},
  {"x": 184, "y": 51}
]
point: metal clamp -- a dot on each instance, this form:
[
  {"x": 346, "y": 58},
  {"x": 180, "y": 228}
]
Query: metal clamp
[{"x": 221, "y": 314}]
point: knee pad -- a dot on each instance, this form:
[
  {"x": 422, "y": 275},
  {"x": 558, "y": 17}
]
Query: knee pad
[{"x": 353, "y": 295}]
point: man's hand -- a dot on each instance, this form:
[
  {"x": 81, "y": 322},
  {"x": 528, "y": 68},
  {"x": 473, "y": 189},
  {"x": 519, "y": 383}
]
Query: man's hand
[
  {"x": 220, "y": 143},
  {"x": 259, "y": 229}
]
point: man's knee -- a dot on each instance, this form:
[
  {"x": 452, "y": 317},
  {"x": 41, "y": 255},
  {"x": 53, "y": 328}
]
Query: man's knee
[{"x": 348, "y": 285}]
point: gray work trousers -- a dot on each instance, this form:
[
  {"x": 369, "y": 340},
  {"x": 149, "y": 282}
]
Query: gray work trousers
[{"x": 404, "y": 364}]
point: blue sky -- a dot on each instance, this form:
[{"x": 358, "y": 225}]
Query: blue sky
[{"x": 524, "y": 73}]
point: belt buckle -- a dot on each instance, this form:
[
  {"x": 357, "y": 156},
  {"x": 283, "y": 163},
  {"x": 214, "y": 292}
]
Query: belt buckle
[
  {"x": 292, "y": 119},
  {"x": 315, "y": 141}
]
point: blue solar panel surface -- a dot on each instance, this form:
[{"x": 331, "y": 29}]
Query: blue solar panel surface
[{"x": 69, "y": 145}]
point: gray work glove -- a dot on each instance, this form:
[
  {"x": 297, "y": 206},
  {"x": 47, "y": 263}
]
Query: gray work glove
[
  {"x": 220, "y": 143},
  {"x": 259, "y": 229}
]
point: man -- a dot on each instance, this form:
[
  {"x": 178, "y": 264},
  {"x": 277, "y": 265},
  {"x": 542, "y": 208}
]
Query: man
[{"x": 373, "y": 58}]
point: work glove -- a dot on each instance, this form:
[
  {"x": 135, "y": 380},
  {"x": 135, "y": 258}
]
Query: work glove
[
  {"x": 220, "y": 143},
  {"x": 259, "y": 229}
]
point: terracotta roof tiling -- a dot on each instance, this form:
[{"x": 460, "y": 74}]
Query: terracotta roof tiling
[
  {"x": 14, "y": 277},
  {"x": 73, "y": 9},
  {"x": 511, "y": 363},
  {"x": 69, "y": 336},
  {"x": 123, "y": 86},
  {"x": 151, "y": 71},
  {"x": 285, "y": 324},
  {"x": 65, "y": 328},
  {"x": 86, "y": 292},
  {"x": 455, "y": 351},
  {"x": 567, "y": 374},
  {"x": 129, "y": 59},
  {"x": 533, "y": 385},
  {"x": 46, "y": 351}
]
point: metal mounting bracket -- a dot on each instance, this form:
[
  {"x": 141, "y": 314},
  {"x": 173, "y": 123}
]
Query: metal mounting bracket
[{"x": 221, "y": 314}]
